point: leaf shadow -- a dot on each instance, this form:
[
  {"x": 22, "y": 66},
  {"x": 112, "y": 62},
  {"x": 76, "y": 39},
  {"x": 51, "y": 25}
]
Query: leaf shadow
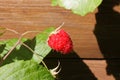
[
  {"x": 2, "y": 47},
  {"x": 107, "y": 32},
  {"x": 72, "y": 66},
  {"x": 21, "y": 54}
]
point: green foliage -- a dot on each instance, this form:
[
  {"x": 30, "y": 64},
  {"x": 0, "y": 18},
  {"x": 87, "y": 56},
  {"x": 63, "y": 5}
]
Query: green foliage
[
  {"x": 80, "y": 7},
  {"x": 19, "y": 53},
  {"x": 24, "y": 70},
  {"x": 6, "y": 45},
  {"x": 41, "y": 47},
  {"x": 23, "y": 62},
  {"x": 38, "y": 45}
]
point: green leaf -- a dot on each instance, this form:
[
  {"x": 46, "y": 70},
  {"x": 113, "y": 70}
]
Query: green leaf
[
  {"x": 54, "y": 2},
  {"x": 41, "y": 48},
  {"x": 80, "y": 7},
  {"x": 19, "y": 53},
  {"x": 6, "y": 45},
  {"x": 24, "y": 70},
  {"x": 38, "y": 45}
]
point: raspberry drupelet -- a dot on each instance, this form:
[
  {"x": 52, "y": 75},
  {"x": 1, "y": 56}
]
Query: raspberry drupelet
[{"x": 60, "y": 41}]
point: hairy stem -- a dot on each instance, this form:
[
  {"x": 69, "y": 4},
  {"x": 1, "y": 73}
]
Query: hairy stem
[
  {"x": 44, "y": 64},
  {"x": 18, "y": 42},
  {"x": 28, "y": 47},
  {"x": 29, "y": 32},
  {"x": 33, "y": 53},
  {"x": 9, "y": 52},
  {"x": 60, "y": 26},
  {"x": 12, "y": 31}
]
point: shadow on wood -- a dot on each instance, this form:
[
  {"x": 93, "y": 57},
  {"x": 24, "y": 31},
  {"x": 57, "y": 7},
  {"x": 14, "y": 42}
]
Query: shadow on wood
[
  {"x": 107, "y": 32},
  {"x": 72, "y": 67}
]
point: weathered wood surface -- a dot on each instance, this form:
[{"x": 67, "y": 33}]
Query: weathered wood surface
[
  {"x": 95, "y": 36},
  {"x": 87, "y": 35},
  {"x": 104, "y": 70}
]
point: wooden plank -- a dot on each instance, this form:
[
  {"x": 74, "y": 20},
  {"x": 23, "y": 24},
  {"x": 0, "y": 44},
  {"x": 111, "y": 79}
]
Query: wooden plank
[
  {"x": 104, "y": 69},
  {"x": 24, "y": 15}
]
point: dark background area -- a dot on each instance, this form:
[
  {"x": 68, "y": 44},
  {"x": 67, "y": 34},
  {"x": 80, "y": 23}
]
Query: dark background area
[
  {"x": 72, "y": 66},
  {"x": 107, "y": 32}
]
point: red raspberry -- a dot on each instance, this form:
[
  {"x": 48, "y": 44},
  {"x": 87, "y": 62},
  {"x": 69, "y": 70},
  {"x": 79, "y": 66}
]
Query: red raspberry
[{"x": 60, "y": 41}]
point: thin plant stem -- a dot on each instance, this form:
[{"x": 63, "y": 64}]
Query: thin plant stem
[
  {"x": 9, "y": 52},
  {"x": 28, "y": 47},
  {"x": 60, "y": 26},
  {"x": 19, "y": 33},
  {"x": 33, "y": 53},
  {"x": 18, "y": 42},
  {"x": 45, "y": 65},
  {"x": 29, "y": 32},
  {"x": 12, "y": 31}
]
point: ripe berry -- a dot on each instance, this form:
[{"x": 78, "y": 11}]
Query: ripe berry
[{"x": 60, "y": 41}]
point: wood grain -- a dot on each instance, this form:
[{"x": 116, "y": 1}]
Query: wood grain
[
  {"x": 101, "y": 71},
  {"x": 25, "y": 15},
  {"x": 95, "y": 36}
]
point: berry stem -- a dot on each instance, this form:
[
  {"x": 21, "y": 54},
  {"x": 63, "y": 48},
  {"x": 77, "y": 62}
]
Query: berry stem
[
  {"x": 9, "y": 52},
  {"x": 13, "y": 31},
  {"x": 29, "y": 32},
  {"x": 59, "y": 27},
  {"x": 18, "y": 42},
  {"x": 35, "y": 53},
  {"x": 45, "y": 65},
  {"x": 28, "y": 47}
]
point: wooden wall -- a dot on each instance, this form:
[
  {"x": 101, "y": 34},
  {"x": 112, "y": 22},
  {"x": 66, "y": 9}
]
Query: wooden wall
[{"x": 96, "y": 36}]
